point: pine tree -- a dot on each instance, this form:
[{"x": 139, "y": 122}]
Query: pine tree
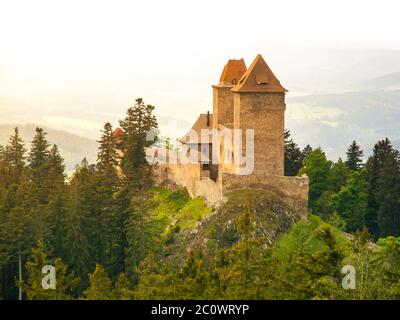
[
  {"x": 105, "y": 189},
  {"x": 354, "y": 156},
  {"x": 56, "y": 166},
  {"x": 80, "y": 221},
  {"x": 100, "y": 286},
  {"x": 141, "y": 122},
  {"x": 123, "y": 288},
  {"x": 306, "y": 152},
  {"x": 107, "y": 158},
  {"x": 135, "y": 230},
  {"x": 56, "y": 206},
  {"x": 383, "y": 150},
  {"x": 17, "y": 237},
  {"x": 140, "y": 127},
  {"x": 293, "y": 156},
  {"x": 65, "y": 282},
  {"x": 388, "y": 216},
  {"x": 39, "y": 155},
  {"x": 3, "y": 172},
  {"x": 14, "y": 155}
]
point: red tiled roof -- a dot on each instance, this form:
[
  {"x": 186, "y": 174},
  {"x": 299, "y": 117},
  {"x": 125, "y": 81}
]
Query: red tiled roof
[
  {"x": 233, "y": 71},
  {"x": 258, "y": 78}
]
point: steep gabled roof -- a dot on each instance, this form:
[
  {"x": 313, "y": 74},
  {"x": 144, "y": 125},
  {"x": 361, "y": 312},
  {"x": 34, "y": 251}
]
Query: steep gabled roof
[
  {"x": 258, "y": 78},
  {"x": 201, "y": 123},
  {"x": 233, "y": 71}
]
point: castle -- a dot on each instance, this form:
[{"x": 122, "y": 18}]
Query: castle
[{"x": 247, "y": 119}]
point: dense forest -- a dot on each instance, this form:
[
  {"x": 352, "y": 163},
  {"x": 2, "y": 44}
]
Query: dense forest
[{"x": 112, "y": 234}]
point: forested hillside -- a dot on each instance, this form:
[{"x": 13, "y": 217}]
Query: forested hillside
[
  {"x": 73, "y": 148},
  {"x": 112, "y": 233}
]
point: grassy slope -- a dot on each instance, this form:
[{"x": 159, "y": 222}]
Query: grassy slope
[
  {"x": 172, "y": 212},
  {"x": 178, "y": 223}
]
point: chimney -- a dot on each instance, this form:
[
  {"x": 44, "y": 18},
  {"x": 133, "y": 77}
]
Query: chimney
[{"x": 208, "y": 118}]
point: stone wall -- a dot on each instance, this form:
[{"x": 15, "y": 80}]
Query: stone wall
[
  {"x": 191, "y": 177},
  {"x": 265, "y": 113},
  {"x": 293, "y": 190},
  {"x": 222, "y": 106}
]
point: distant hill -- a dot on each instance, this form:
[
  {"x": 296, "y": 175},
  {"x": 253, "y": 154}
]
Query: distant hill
[
  {"x": 389, "y": 81},
  {"x": 332, "y": 121},
  {"x": 73, "y": 148}
]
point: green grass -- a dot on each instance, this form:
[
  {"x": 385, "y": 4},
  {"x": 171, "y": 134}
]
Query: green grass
[{"x": 172, "y": 212}]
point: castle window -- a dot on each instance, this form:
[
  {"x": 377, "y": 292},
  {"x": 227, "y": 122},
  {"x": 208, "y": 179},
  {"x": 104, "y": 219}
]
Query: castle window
[{"x": 261, "y": 79}]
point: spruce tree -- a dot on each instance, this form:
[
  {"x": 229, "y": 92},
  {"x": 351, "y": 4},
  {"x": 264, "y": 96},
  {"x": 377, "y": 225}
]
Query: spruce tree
[
  {"x": 3, "y": 172},
  {"x": 374, "y": 166},
  {"x": 14, "y": 155},
  {"x": 293, "y": 156},
  {"x": 38, "y": 165},
  {"x": 57, "y": 200},
  {"x": 80, "y": 221},
  {"x": 56, "y": 166},
  {"x": 39, "y": 155},
  {"x": 140, "y": 121},
  {"x": 123, "y": 288},
  {"x": 107, "y": 158},
  {"x": 306, "y": 152},
  {"x": 65, "y": 282},
  {"x": 100, "y": 285},
  {"x": 354, "y": 156},
  {"x": 388, "y": 216},
  {"x": 105, "y": 189},
  {"x": 140, "y": 128}
]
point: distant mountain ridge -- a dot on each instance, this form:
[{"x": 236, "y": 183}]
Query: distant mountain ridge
[
  {"x": 73, "y": 148},
  {"x": 367, "y": 114},
  {"x": 389, "y": 81}
]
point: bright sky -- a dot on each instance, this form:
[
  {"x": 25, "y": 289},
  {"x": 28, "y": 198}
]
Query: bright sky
[{"x": 61, "y": 62}]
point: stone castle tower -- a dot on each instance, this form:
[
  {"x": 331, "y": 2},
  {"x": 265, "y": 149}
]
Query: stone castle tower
[
  {"x": 253, "y": 99},
  {"x": 246, "y": 99}
]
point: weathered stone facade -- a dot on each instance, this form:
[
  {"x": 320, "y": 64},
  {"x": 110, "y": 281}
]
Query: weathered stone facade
[
  {"x": 265, "y": 114},
  {"x": 251, "y": 99}
]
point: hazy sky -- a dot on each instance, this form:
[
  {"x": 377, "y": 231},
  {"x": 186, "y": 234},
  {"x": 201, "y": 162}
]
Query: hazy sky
[{"x": 76, "y": 64}]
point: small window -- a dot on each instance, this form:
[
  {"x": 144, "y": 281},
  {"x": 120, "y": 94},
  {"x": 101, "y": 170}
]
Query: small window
[{"x": 261, "y": 79}]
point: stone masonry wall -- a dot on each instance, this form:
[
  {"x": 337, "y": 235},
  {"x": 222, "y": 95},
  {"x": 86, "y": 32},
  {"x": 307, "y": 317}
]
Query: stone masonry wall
[
  {"x": 191, "y": 177},
  {"x": 293, "y": 190},
  {"x": 263, "y": 112},
  {"x": 222, "y": 106}
]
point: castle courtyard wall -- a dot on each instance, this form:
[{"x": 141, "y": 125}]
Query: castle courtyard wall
[{"x": 292, "y": 190}]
